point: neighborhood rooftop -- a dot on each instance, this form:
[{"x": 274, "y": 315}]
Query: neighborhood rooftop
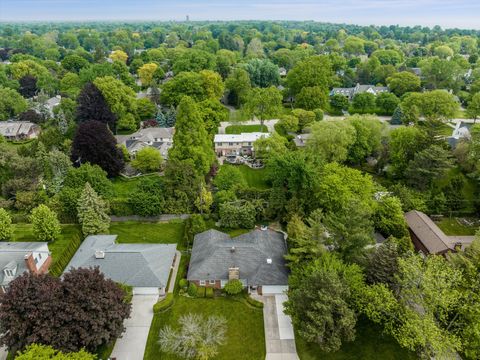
[
  {"x": 243, "y": 137},
  {"x": 137, "y": 265}
]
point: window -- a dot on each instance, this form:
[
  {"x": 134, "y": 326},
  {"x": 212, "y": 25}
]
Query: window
[
  {"x": 36, "y": 260},
  {"x": 230, "y": 143},
  {"x": 211, "y": 282},
  {"x": 8, "y": 272},
  {"x": 39, "y": 255},
  {"x": 202, "y": 282}
]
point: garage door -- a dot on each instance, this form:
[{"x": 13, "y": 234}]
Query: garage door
[
  {"x": 273, "y": 289},
  {"x": 145, "y": 291}
]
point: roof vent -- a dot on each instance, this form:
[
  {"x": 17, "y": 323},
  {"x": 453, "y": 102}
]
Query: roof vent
[
  {"x": 99, "y": 254},
  {"x": 232, "y": 249},
  {"x": 269, "y": 261}
]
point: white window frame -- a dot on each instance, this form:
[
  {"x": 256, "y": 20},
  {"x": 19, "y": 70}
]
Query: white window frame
[
  {"x": 202, "y": 282},
  {"x": 211, "y": 282}
]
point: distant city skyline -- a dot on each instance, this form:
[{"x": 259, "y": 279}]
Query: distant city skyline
[{"x": 446, "y": 13}]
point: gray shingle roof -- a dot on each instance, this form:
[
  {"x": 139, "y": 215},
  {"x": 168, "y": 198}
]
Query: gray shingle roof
[
  {"x": 214, "y": 252},
  {"x": 137, "y": 265}
]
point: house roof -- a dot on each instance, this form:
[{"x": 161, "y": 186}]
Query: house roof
[
  {"x": 158, "y": 138},
  {"x": 214, "y": 252},
  {"x": 15, "y": 128},
  {"x": 243, "y": 137},
  {"x": 137, "y": 265},
  {"x": 12, "y": 257},
  {"x": 427, "y": 232}
]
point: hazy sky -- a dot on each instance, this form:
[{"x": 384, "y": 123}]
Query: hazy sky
[{"x": 447, "y": 13}]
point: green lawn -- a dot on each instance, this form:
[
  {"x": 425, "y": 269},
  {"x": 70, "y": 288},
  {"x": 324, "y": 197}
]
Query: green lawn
[
  {"x": 122, "y": 187},
  {"x": 245, "y": 339},
  {"x": 237, "y": 116},
  {"x": 369, "y": 344},
  {"x": 149, "y": 232},
  {"x": 238, "y": 129},
  {"x": 256, "y": 178},
  {"x": 24, "y": 232},
  {"x": 452, "y": 226}
]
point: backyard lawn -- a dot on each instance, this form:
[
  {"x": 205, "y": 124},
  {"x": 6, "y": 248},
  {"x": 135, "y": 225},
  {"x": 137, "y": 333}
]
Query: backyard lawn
[
  {"x": 454, "y": 226},
  {"x": 256, "y": 178},
  {"x": 149, "y": 232},
  {"x": 238, "y": 129},
  {"x": 370, "y": 344},
  {"x": 24, "y": 232},
  {"x": 122, "y": 187},
  {"x": 245, "y": 339}
]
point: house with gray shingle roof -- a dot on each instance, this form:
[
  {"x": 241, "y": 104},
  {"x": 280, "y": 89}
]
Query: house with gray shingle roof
[
  {"x": 161, "y": 139},
  {"x": 359, "y": 89},
  {"x": 17, "y": 258},
  {"x": 145, "y": 267},
  {"x": 19, "y": 130},
  {"x": 255, "y": 258}
]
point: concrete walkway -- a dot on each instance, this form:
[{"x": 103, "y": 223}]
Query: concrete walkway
[
  {"x": 279, "y": 335},
  {"x": 131, "y": 345}
]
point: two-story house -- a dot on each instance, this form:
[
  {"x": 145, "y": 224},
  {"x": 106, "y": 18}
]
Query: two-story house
[{"x": 237, "y": 144}]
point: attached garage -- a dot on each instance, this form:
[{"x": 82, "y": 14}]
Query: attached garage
[
  {"x": 274, "y": 289},
  {"x": 147, "y": 291}
]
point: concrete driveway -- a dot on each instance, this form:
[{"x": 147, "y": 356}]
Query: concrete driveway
[
  {"x": 279, "y": 335},
  {"x": 131, "y": 345}
]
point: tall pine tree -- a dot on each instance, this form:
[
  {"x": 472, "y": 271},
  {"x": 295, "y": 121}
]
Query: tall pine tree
[
  {"x": 92, "y": 212},
  {"x": 191, "y": 142}
]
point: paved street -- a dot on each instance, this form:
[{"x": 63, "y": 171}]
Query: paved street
[{"x": 279, "y": 335}]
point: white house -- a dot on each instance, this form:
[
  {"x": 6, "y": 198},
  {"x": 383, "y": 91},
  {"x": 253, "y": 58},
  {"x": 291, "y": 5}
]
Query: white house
[
  {"x": 237, "y": 144},
  {"x": 17, "y": 258}
]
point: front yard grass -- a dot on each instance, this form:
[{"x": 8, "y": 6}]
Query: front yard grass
[
  {"x": 238, "y": 129},
  {"x": 369, "y": 344},
  {"x": 245, "y": 338},
  {"x": 149, "y": 232}
]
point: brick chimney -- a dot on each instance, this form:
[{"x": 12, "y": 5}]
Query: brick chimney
[
  {"x": 233, "y": 273},
  {"x": 30, "y": 263}
]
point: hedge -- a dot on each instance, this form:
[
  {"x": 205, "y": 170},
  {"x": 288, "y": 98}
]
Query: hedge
[
  {"x": 201, "y": 292},
  {"x": 254, "y": 303},
  {"x": 192, "y": 290},
  {"x": 62, "y": 261},
  {"x": 209, "y": 292},
  {"x": 163, "y": 304}
]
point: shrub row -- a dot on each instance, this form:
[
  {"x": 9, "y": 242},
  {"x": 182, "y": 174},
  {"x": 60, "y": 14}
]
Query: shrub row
[
  {"x": 253, "y": 302},
  {"x": 62, "y": 261},
  {"x": 163, "y": 304},
  {"x": 209, "y": 292}
]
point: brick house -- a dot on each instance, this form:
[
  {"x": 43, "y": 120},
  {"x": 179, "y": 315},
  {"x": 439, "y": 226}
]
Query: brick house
[
  {"x": 237, "y": 144},
  {"x": 255, "y": 258},
  {"x": 17, "y": 258}
]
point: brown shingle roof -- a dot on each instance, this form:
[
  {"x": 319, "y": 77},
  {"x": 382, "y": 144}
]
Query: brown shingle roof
[{"x": 427, "y": 232}]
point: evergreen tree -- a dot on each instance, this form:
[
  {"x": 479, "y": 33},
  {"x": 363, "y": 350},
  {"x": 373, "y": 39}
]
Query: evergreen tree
[
  {"x": 170, "y": 117},
  {"x": 92, "y": 212},
  {"x": 46, "y": 226},
  {"x": 191, "y": 142},
  {"x": 397, "y": 117},
  {"x": 160, "y": 118}
]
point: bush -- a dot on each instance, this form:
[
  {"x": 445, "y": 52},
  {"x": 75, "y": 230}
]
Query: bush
[
  {"x": 183, "y": 283},
  {"x": 233, "y": 287},
  {"x": 201, "y": 292},
  {"x": 192, "y": 290},
  {"x": 163, "y": 304},
  {"x": 318, "y": 114},
  {"x": 62, "y": 261},
  {"x": 254, "y": 303},
  {"x": 128, "y": 292},
  {"x": 209, "y": 292}
]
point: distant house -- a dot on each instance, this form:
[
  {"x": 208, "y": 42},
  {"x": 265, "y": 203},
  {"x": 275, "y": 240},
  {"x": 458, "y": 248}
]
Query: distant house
[
  {"x": 359, "y": 89},
  {"x": 416, "y": 70},
  {"x": 52, "y": 103},
  {"x": 17, "y": 258},
  {"x": 461, "y": 132},
  {"x": 19, "y": 130},
  {"x": 301, "y": 139},
  {"x": 255, "y": 258},
  {"x": 282, "y": 71},
  {"x": 237, "y": 144},
  {"x": 160, "y": 139},
  {"x": 428, "y": 238},
  {"x": 145, "y": 267}
]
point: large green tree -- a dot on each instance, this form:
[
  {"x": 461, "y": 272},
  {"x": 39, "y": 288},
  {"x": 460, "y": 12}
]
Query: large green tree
[
  {"x": 313, "y": 71},
  {"x": 263, "y": 103},
  {"x": 92, "y": 212},
  {"x": 46, "y": 226},
  {"x": 11, "y": 103}
]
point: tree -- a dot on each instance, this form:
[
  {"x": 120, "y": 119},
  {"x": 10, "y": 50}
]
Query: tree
[
  {"x": 403, "y": 82},
  {"x": 46, "y": 226},
  {"x": 473, "y": 109},
  {"x": 74, "y": 63},
  {"x": 443, "y": 52},
  {"x": 28, "y": 86},
  {"x": 363, "y": 103},
  {"x": 255, "y": 49},
  {"x": 146, "y": 109},
  {"x": 238, "y": 85},
  {"x": 427, "y": 165},
  {"x": 191, "y": 142},
  {"x": 70, "y": 85},
  {"x": 404, "y": 143},
  {"x": 388, "y": 217},
  {"x": 331, "y": 140},
  {"x": 197, "y": 338},
  {"x": 239, "y": 214},
  {"x": 397, "y": 116},
  {"x": 382, "y": 264},
  {"x": 310, "y": 98},
  {"x": 339, "y": 103},
  {"x": 92, "y": 212},
  {"x": 318, "y": 302},
  {"x": 262, "y": 72},
  {"x": 441, "y": 73},
  {"x": 386, "y": 103},
  {"x": 385, "y": 57},
  {"x": 267, "y": 147},
  {"x": 148, "y": 197},
  {"x": 147, "y": 160},
  {"x": 313, "y": 71},
  {"x": 228, "y": 178},
  {"x": 93, "y": 106},
  {"x": 146, "y": 73},
  {"x": 44, "y": 352},
  {"x": 263, "y": 103},
  {"x": 6, "y": 229},
  {"x": 11, "y": 103},
  {"x": 367, "y": 139},
  {"x": 204, "y": 200},
  {"x": 119, "y": 55},
  {"x": 94, "y": 143},
  {"x": 194, "y": 60}
]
